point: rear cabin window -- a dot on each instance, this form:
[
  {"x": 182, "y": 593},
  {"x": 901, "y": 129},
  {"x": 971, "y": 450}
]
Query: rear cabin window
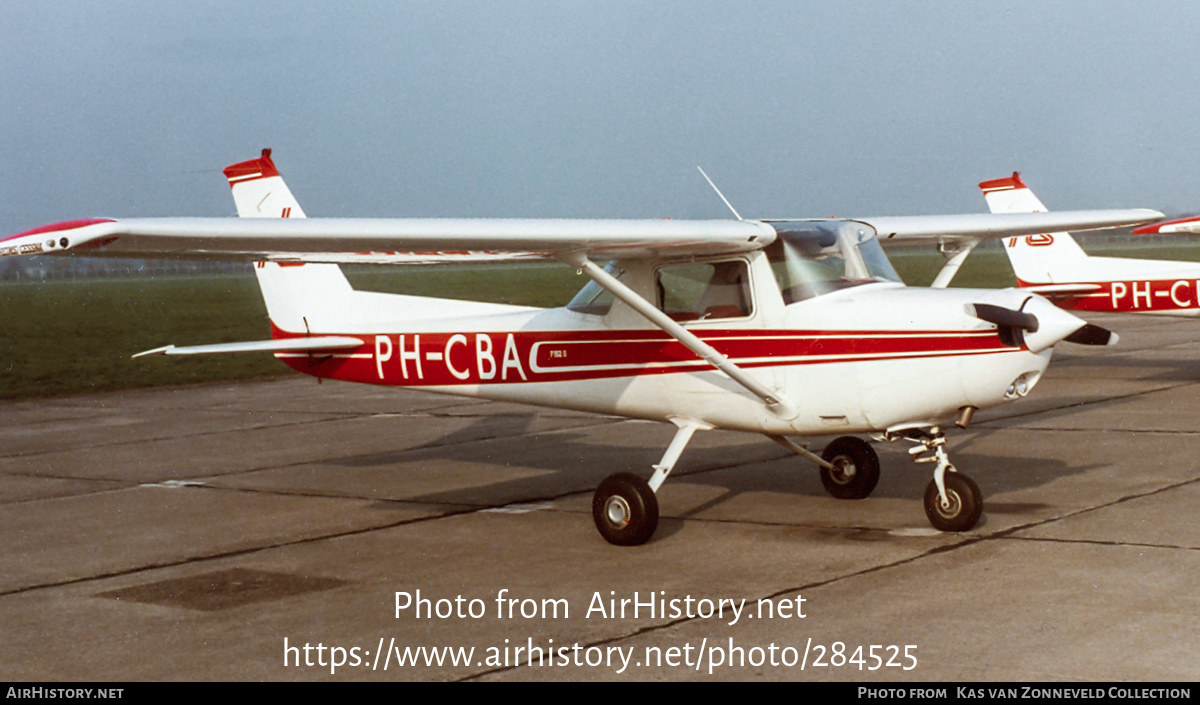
[{"x": 701, "y": 291}]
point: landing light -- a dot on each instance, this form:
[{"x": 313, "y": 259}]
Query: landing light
[{"x": 1021, "y": 385}]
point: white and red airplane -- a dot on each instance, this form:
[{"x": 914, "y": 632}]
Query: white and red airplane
[
  {"x": 1054, "y": 265},
  {"x": 780, "y": 327}
]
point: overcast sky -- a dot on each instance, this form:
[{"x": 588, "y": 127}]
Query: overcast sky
[{"x": 596, "y": 109}]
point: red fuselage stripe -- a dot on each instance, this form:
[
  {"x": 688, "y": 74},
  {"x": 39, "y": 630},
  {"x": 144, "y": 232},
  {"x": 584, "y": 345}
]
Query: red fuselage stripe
[{"x": 443, "y": 359}]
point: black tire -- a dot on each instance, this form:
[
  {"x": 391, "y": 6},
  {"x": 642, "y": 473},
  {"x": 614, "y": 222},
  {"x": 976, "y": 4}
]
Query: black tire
[
  {"x": 857, "y": 468},
  {"x": 625, "y": 510},
  {"x": 966, "y": 504}
]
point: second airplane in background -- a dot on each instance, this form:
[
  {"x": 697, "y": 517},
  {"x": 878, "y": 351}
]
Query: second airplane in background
[{"x": 1054, "y": 265}]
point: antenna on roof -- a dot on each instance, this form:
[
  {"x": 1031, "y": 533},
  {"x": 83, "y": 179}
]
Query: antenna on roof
[{"x": 714, "y": 188}]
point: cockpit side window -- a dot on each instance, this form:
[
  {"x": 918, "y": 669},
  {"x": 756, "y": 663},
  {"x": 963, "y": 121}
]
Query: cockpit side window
[
  {"x": 701, "y": 291},
  {"x": 594, "y": 299}
]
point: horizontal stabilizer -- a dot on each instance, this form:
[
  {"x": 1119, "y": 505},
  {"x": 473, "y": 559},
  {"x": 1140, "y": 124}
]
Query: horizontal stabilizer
[
  {"x": 1061, "y": 289},
  {"x": 324, "y": 343}
]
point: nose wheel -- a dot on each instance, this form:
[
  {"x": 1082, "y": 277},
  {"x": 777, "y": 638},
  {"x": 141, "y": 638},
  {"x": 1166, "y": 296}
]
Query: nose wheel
[
  {"x": 953, "y": 501},
  {"x": 961, "y": 507}
]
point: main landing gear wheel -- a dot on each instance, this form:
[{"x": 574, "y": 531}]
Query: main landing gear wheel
[
  {"x": 625, "y": 510},
  {"x": 964, "y": 503},
  {"x": 856, "y": 468}
]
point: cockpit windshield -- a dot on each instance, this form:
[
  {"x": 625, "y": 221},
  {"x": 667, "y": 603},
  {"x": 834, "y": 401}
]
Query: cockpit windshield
[{"x": 816, "y": 257}]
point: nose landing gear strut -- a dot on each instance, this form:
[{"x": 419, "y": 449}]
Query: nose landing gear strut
[{"x": 953, "y": 501}]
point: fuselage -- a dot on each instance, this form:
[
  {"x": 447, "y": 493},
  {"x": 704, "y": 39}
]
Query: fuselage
[
  {"x": 866, "y": 358},
  {"x": 1105, "y": 284}
]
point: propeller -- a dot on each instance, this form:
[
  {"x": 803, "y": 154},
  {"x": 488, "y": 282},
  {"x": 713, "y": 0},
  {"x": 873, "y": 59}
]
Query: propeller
[
  {"x": 1002, "y": 316},
  {"x": 1014, "y": 324},
  {"x": 1092, "y": 334}
]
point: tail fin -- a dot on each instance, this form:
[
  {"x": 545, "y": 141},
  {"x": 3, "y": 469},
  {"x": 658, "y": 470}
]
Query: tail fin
[
  {"x": 259, "y": 190},
  {"x": 316, "y": 299},
  {"x": 1048, "y": 258},
  {"x": 300, "y": 298}
]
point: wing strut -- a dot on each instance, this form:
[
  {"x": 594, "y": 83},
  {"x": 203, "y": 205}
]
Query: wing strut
[
  {"x": 774, "y": 401},
  {"x": 955, "y": 255}
]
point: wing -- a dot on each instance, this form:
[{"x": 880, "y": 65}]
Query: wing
[
  {"x": 1008, "y": 198},
  {"x": 389, "y": 239},
  {"x": 974, "y": 227},
  {"x": 400, "y": 240}
]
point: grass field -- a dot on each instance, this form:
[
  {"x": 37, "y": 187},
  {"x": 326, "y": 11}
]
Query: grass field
[
  {"x": 72, "y": 336},
  {"x": 68, "y": 336}
]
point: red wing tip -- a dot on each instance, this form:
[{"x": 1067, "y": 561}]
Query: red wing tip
[
  {"x": 251, "y": 169},
  {"x": 1155, "y": 228},
  {"x": 60, "y": 227},
  {"x": 1008, "y": 183}
]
